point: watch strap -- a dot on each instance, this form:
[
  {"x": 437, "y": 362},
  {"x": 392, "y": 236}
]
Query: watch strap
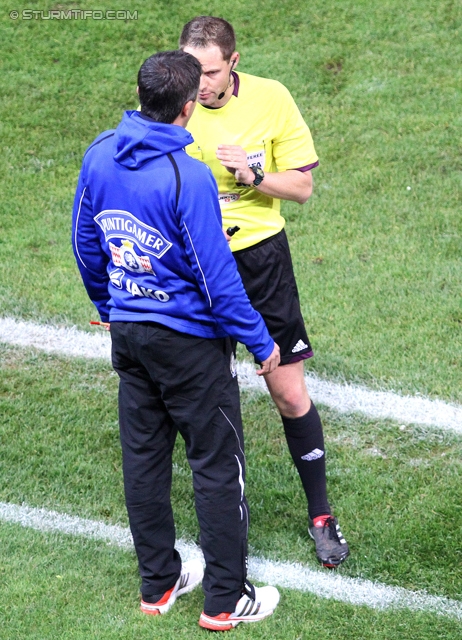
[{"x": 259, "y": 175}]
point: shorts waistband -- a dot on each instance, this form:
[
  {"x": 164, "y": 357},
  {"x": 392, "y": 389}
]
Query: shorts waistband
[{"x": 261, "y": 243}]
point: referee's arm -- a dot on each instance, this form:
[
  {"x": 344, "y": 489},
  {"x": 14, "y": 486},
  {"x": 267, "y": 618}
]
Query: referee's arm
[{"x": 286, "y": 185}]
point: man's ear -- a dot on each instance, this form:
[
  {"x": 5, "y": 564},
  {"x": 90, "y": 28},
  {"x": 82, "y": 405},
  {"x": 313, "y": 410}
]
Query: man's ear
[
  {"x": 138, "y": 90},
  {"x": 235, "y": 57},
  {"x": 188, "y": 108},
  {"x": 183, "y": 117}
]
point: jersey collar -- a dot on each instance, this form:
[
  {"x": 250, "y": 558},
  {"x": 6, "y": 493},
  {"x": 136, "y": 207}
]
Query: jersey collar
[{"x": 236, "y": 84}]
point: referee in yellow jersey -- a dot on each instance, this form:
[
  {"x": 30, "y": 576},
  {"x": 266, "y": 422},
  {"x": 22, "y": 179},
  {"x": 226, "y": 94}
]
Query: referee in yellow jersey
[{"x": 250, "y": 133}]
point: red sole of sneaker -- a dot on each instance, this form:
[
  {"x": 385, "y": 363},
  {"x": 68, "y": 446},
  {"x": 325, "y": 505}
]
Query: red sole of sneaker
[
  {"x": 212, "y": 627},
  {"x": 150, "y": 612},
  {"x": 331, "y": 565}
]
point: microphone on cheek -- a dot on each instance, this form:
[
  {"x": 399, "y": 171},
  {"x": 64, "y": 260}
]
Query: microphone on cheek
[{"x": 222, "y": 94}]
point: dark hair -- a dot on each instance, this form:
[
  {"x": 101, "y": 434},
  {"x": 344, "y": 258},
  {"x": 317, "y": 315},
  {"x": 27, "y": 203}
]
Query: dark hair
[
  {"x": 167, "y": 81},
  {"x": 203, "y": 31}
]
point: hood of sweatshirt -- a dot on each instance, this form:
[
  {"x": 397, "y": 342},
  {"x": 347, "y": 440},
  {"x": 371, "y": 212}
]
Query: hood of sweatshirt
[{"x": 139, "y": 139}]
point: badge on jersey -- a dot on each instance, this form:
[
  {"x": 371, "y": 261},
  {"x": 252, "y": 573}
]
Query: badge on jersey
[
  {"x": 256, "y": 159},
  {"x": 126, "y": 256},
  {"x": 227, "y": 198}
]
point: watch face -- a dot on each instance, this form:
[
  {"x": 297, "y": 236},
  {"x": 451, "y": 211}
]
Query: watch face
[{"x": 259, "y": 175}]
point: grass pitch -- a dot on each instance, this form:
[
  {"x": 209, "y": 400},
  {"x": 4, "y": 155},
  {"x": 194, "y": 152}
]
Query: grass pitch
[
  {"x": 376, "y": 250},
  {"x": 377, "y": 253}
]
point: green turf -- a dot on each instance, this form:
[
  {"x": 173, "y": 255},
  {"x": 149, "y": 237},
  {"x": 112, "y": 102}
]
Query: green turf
[
  {"x": 398, "y": 489},
  {"x": 379, "y": 271},
  {"x": 378, "y": 264},
  {"x": 46, "y": 595}
]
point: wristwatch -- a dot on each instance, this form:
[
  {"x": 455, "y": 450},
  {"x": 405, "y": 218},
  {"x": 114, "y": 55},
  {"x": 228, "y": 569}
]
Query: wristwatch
[{"x": 259, "y": 175}]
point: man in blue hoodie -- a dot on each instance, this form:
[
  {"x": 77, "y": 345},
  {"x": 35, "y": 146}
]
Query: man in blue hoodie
[{"x": 149, "y": 245}]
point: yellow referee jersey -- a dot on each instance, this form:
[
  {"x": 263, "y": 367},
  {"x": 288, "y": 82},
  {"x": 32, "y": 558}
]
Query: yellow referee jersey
[{"x": 261, "y": 117}]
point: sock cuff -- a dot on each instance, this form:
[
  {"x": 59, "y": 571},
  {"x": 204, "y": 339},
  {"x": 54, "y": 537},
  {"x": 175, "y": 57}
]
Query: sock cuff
[{"x": 293, "y": 425}]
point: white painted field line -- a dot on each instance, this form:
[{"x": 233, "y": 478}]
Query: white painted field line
[
  {"x": 345, "y": 398},
  {"x": 324, "y": 584}
]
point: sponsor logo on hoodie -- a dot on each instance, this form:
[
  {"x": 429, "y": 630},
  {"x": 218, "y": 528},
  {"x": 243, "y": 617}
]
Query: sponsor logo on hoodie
[{"x": 115, "y": 223}]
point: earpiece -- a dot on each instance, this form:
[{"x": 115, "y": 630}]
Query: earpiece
[{"x": 221, "y": 95}]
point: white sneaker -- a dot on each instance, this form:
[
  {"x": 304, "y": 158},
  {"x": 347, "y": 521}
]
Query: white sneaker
[
  {"x": 255, "y": 604},
  {"x": 190, "y": 577}
]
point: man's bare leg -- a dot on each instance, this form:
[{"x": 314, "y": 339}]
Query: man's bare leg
[{"x": 305, "y": 439}]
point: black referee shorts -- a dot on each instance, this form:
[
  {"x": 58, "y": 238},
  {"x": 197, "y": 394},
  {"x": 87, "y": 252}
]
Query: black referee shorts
[{"x": 268, "y": 276}]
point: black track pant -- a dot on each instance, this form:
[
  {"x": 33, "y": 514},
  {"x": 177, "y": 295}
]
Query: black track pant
[{"x": 171, "y": 382}]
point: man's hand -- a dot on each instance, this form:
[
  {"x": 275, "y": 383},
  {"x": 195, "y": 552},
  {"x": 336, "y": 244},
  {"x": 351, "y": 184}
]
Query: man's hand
[
  {"x": 271, "y": 363},
  {"x": 230, "y": 231},
  {"x": 292, "y": 184},
  {"x": 234, "y": 159},
  {"x": 104, "y": 325}
]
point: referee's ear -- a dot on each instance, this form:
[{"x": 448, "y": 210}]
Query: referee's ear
[{"x": 235, "y": 57}]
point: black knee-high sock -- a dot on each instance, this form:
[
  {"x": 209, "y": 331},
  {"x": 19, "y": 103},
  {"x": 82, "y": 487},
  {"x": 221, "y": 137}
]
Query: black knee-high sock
[{"x": 306, "y": 444}]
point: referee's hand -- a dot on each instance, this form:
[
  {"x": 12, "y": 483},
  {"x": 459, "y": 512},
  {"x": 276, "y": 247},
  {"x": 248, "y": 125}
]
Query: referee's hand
[
  {"x": 271, "y": 363},
  {"x": 234, "y": 159}
]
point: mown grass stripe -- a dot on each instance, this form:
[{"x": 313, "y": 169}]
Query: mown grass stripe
[
  {"x": 353, "y": 591},
  {"x": 344, "y": 398}
]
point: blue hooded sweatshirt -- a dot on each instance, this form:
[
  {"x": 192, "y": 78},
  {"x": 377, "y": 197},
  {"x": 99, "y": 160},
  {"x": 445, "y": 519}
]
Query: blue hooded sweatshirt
[{"x": 148, "y": 240}]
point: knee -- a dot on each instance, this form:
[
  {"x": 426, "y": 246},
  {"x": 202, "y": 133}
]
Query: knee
[{"x": 293, "y": 403}]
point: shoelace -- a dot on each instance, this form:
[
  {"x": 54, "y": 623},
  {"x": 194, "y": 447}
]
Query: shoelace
[{"x": 332, "y": 529}]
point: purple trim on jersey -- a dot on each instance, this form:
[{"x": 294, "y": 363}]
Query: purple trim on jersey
[
  {"x": 302, "y": 356},
  {"x": 236, "y": 84},
  {"x": 308, "y": 167}
]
